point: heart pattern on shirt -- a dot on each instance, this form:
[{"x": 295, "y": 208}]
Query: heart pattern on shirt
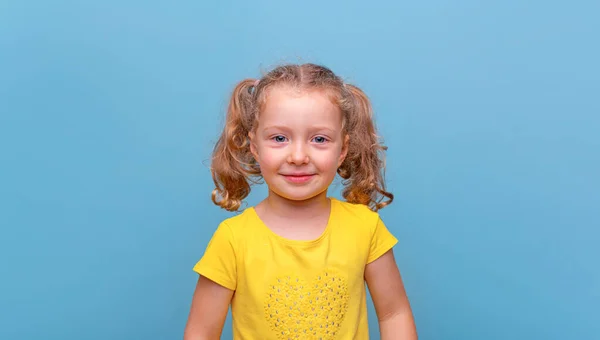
[{"x": 297, "y": 309}]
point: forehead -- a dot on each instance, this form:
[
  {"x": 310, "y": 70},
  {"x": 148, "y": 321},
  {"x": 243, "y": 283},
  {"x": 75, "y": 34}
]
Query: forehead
[{"x": 285, "y": 104}]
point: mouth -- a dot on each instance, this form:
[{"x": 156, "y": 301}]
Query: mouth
[{"x": 298, "y": 178}]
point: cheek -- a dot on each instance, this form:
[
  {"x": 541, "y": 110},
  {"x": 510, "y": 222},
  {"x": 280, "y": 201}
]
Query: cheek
[
  {"x": 328, "y": 162},
  {"x": 268, "y": 160}
]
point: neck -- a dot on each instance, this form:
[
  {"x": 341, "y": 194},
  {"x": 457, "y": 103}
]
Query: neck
[{"x": 284, "y": 207}]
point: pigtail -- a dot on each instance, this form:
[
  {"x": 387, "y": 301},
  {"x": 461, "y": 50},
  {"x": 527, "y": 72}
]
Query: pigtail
[
  {"x": 232, "y": 162},
  {"x": 363, "y": 170}
]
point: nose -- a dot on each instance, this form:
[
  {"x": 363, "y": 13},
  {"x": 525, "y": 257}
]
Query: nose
[{"x": 298, "y": 154}]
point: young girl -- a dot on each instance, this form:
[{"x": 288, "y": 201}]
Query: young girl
[{"x": 295, "y": 265}]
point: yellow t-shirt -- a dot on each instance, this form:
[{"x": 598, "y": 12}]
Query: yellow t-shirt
[{"x": 287, "y": 289}]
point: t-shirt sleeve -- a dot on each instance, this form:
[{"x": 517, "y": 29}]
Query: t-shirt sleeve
[
  {"x": 381, "y": 241},
  {"x": 219, "y": 261}
]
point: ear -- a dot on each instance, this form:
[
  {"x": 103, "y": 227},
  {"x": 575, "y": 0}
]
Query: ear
[
  {"x": 251, "y": 136},
  {"x": 344, "y": 152}
]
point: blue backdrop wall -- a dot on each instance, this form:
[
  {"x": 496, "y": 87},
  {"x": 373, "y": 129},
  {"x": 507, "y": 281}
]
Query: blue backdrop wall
[{"x": 108, "y": 112}]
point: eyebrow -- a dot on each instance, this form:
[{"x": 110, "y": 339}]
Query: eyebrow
[
  {"x": 316, "y": 128},
  {"x": 276, "y": 127}
]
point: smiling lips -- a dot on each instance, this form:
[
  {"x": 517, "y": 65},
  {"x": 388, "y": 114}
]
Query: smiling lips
[{"x": 298, "y": 178}]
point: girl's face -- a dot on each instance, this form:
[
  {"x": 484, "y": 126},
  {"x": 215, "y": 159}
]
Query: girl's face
[{"x": 299, "y": 143}]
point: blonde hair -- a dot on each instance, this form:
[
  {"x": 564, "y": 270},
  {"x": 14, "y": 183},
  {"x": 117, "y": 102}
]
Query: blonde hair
[{"x": 234, "y": 168}]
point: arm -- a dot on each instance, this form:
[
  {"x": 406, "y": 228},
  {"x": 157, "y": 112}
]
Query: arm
[
  {"x": 390, "y": 300},
  {"x": 210, "y": 304}
]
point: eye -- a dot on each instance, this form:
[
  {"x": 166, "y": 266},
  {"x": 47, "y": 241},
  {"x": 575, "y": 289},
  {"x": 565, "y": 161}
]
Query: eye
[
  {"x": 279, "y": 139},
  {"x": 320, "y": 140}
]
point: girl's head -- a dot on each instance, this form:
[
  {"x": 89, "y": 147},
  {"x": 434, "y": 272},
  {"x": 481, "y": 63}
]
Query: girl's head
[{"x": 296, "y": 128}]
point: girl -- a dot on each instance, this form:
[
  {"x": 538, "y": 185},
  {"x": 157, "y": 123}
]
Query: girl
[{"x": 295, "y": 266}]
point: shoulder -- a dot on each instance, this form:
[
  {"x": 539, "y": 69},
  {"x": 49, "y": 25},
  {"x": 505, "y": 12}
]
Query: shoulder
[
  {"x": 241, "y": 223},
  {"x": 358, "y": 213},
  {"x": 240, "y": 219}
]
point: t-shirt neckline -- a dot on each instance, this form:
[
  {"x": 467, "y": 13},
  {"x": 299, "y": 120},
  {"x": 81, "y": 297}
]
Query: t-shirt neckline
[{"x": 330, "y": 220}]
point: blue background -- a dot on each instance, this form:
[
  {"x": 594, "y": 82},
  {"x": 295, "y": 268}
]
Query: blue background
[{"x": 109, "y": 110}]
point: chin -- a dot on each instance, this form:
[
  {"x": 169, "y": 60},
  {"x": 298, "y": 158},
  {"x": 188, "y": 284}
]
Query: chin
[{"x": 298, "y": 195}]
